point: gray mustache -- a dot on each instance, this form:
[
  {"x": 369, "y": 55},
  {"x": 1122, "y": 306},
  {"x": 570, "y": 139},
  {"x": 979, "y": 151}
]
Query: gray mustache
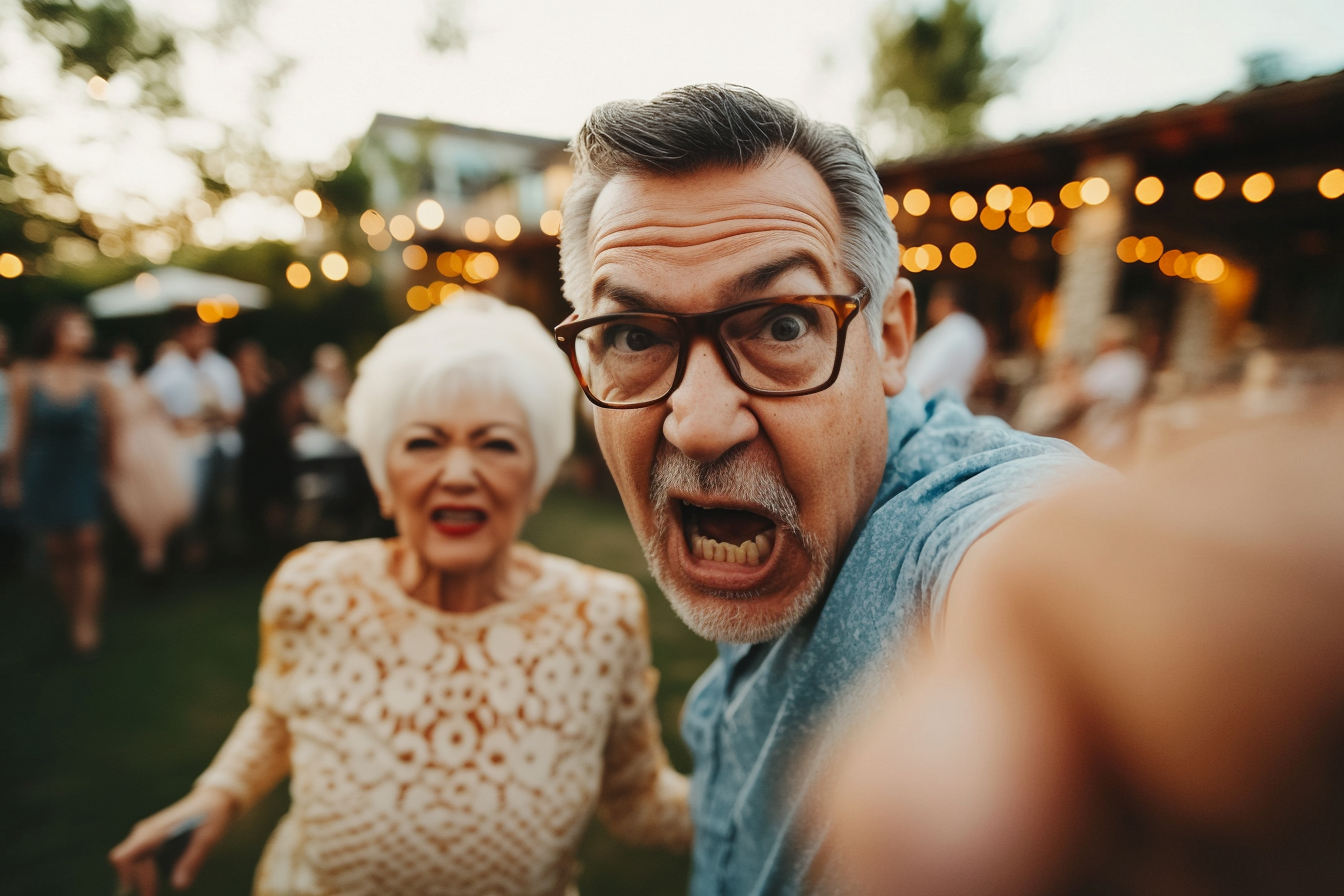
[{"x": 732, "y": 477}]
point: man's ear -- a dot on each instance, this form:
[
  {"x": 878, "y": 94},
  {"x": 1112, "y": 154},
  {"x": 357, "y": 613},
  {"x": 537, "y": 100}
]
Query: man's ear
[{"x": 898, "y": 334}]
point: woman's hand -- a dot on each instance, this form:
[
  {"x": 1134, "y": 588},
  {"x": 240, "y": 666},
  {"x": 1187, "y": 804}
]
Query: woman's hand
[{"x": 134, "y": 857}]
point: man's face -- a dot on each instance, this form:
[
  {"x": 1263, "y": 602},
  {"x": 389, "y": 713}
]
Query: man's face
[
  {"x": 791, "y": 476},
  {"x": 196, "y": 339}
]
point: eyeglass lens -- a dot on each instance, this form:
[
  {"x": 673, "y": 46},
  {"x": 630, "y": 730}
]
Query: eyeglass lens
[{"x": 787, "y": 346}]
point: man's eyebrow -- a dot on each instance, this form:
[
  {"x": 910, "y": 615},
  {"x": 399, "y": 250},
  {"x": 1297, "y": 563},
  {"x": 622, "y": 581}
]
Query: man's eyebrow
[
  {"x": 760, "y": 279},
  {"x": 625, "y": 297}
]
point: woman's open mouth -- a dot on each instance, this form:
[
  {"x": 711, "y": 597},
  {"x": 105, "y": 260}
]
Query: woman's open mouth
[
  {"x": 458, "y": 521},
  {"x": 727, "y": 535}
]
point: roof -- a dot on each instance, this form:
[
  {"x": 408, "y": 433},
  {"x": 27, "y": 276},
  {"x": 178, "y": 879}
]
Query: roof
[{"x": 382, "y": 120}]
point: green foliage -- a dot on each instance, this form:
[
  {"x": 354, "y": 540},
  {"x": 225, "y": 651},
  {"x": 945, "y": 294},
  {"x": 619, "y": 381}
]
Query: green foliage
[{"x": 931, "y": 74}]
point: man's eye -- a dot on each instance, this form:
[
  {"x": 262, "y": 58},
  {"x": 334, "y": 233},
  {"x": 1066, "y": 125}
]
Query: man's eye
[
  {"x": 502, "y": 445},
  {"x": 629, "y": 338},
  {"x": 787, "y": 327},
  {"x": 421, "y": 443}
]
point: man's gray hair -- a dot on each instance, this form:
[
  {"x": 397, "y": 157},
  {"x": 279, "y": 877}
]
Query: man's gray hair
[{"x": 706, "y": 125}]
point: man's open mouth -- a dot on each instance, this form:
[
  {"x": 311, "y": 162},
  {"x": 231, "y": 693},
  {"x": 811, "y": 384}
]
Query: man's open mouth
[
  {"x": 728, "y": 535},
  {"x": 457, "y": 516}
]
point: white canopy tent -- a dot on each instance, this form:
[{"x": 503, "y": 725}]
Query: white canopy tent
[{"x": 154, "y": 292}]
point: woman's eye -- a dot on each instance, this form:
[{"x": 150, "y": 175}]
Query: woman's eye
[
  {"x": 421, "y": 443},
  {"x": 787, "y": 327},
  {"x": 503, "y": 445}
]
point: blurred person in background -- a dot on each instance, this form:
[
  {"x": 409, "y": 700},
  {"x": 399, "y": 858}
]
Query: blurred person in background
[
  {"x": 11, "y": 542},
  {"x": 742, "y": 326},
  {"x": 949, "y": 354},
  {"x": 1110, "y": 388},
  {"x": 266, "y": 468},
  {"x": 148, "y": 477},
  {"x": 203, "y": 395},
  {"x": 451, "y": 704},
  {"x": 62, "y": 427},
  {"x": 325, "y": 388},
  {"x": 1146, "y": 698}
]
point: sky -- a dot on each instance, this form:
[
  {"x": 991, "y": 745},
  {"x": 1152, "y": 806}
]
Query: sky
[{"x": 539, "y": 66}]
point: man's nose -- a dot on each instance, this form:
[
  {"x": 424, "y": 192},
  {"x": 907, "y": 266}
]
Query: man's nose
[
  {"x": 458, "y": 471},
  {"x": 708, "y": 412}
]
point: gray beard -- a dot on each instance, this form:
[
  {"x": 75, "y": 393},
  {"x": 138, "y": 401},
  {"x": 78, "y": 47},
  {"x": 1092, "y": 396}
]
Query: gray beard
[{"x": 736, "y": 480}]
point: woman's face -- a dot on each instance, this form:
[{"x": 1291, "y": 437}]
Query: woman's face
[
  {"x": 459, "y": 485},
  {"x": 74, "y": 335}
]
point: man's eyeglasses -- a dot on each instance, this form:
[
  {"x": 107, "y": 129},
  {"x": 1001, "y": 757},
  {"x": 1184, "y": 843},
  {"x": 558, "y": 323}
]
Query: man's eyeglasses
[{"x": 791, "y": 345}]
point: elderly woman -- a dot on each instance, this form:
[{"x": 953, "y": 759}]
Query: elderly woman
[{"x": 451, "y": 704}]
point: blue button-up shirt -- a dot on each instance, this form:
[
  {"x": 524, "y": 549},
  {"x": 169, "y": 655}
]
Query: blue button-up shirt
[{"x": 760, "y": 722}]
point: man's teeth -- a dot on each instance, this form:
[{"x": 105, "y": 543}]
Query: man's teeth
[{"x": 750, "y": 552}]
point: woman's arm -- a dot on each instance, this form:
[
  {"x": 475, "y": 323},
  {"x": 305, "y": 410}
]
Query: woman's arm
[{"x": 643, "y": 799}]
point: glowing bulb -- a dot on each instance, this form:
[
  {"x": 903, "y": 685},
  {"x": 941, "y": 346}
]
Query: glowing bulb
[
  {"x": 1021, "y": 200},
  {"x": 298, "y": 275},
  {"x": 380, "y": 240},
  {"x": 371, "y": 222},
  {"x": 1062, "y": 241},
  {"x": 910, "y": 260},
  {"x": 228, "y": 306},
  {"x": 418, "y": 298},
  {"x": 481, "y": 266},
  {"x": 308, "y": 203},
  {"x": 209, "y": 311},
  {"x": 1167, "y": 263},
  {"x": 449, "y": 264},
  {"x": 999, "y": 197},
  {"x": 1209, "y": 267},
  {"x": 430, "y": 214},
  {"x": 415, "y": 257},
  {"x": 476, "y": 229},
  {"x": 401, "y": 227},
  {"x": 1070, "y": 195},
  {"x": 933, "y": 256},
  {"x": 1257, "y": 187},
  {"x": 550, "y": 222},
  {"x": 1127, "y": 249},
  {"x": 1331, "y": 183},
  {"x": 893, "y": 207},
  {"x": 97, "y": 88},
  {"x": 963, "y": 206},
  {"x": 916, "y": 202},
  {"x": 11, "y": 265},
  {"x": 1149, "y": 249},
  {"x": 1040, "y": 214},
  {"x": 962, "y": 255},
  {"x": 507, "y": 228},
  {"x": 992, "y": 218},
  {"x": 1094, "y": 190},
  {"x": 1148, "y": 190},
  {"x": 1018, "y": 222},
  {"x": 1209, "y": 185},
  {"x": 449, "y": 290},
  {"x": 334, "y": 266}
]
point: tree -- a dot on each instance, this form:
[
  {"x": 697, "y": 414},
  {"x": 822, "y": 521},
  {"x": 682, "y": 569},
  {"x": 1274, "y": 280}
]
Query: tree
[{"x": 931, "y": 75}]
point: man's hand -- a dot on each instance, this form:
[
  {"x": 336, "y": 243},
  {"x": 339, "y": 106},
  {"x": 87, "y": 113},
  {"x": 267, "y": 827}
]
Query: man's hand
[
  {"x": 134, "y": 857},
  {"x": 1140, "y": 682}
]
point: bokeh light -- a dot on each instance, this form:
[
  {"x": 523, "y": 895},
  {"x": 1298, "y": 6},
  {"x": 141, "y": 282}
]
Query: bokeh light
[
  {"x": 1257, "y": 187},
  {"x": 298, "y": 275},
  {"x": 1128, "y": 249},
  {"x": 1209, "y": 185},
  {"x": 480, "y": 266},
  {"x": 1209, "y": 267},
  {"x": 1062, "y": 241},
  {"x": 1040, "y": 214},
  {"x": 933, "y": 256},
  {"x": 1018, "y": 221},
  {"x": 228, "y": 306},
  {"x": 893, "y": 207},
  {"x": 371, "y": 222},
  {"x": 401, "y": 227},
  {"x": 449, "y": 264},
  {"x": 992, "y": 218},
  {"x": 1094, "y": 190},
  {"x": 999, "y": 197},
  {"x": 430, "y": 214},
  {"x": 308, "y": 203},
  {"x": 507, "y": 228},
  {"x": 1070, "y": 195},
  {"x": 1024, "y": 246},
  {"x": 418, "y": 298},
  {"x": 963, "y": 206},
  {"x": 1331, "y": 184},
  {"x": 209, "y": 311},
  {"x": 97, "y": 88},
  {"x": 962, "y": 255},
  {"x": 1021, "y": 200},
  {"x": 415, "y": 257},
  {"x": 1185, "y": 265},
  {"x": 916, "y": 202},
  {"x": 910, "y": 259},
  {"x": 1149, "y": 190},
  {"x": 334, "y": 266},
  {"x": 476, "y": 229},
  {"x": 449, "y": 290},
  {"x": 1167, "y": 263},
  {"x": 550, "y": 222},
  {"x": 1149, "y": 249},
  {"x": 380, "y": 240},
  {"x": 11, "y": 265}
]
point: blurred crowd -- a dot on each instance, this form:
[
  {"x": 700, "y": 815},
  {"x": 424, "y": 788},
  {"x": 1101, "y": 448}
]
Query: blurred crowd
[{"x": 194, "y": 455}]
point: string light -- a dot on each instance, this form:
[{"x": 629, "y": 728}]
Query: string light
[
  {"x": 208, "y": 310},
  {"x": 430, "y": 214},
  {"x": 380, "y": 240},
  {"x": 415, "y": 257},
  {"x": 1209, "y": 267},
  {"x": 228, "y": 306},
  {"x": 476, "y": 229},
  {"x": 418, "y": 298},
  {"x": 335, "y": 267},
  {"x": 449, "y": 264},
  {"x": 893, "y": 207},
  {"x": 963, "y": 206},
  {"x": 992, "y": 218},
  {"x": 1209, "y": 185},
  {"x": 308, "y": 203},
  {"x": 507, "y": 228},
  {"x": 1040, "y": 214},
  {"x": 962, "y": 254},
  {"x": 916, "y": 202},
  {"x": 1167, "y": 263},
  {"x": 1149, "y": 190},
  {"x": 1127, "y": 249},
  {"x": 1062, "y": 241},
  {"x": 1018, "y": 221},
  {"x": 1070, "y": 195},
  {"x": 932, "y": 256},
  {"x": 1257, "y": 187},
  {"x": 1331, "y": 184},
  {"x": 999, "y": 197},
  {"x": 11, "y": 265},
  {"x": 1094, "y": 190},
  {"x": 550, "y": 222},
  {"x": 298, "y": 275},
  {"x": 371, "y": 222},
  {"x": 1021, "y": 200},
  {"x": 401, "y": 227},
  {"x": 1149, "y": 249},
  {"x": 97, "y": 88}
]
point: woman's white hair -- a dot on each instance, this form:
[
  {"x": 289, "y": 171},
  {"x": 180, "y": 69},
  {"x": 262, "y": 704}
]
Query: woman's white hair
[{"x": 473, "y": 344}]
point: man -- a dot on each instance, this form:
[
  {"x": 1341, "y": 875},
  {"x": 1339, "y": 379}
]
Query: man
[
  {"x": 949, "y": 353},
  {"x": 203, "y": 395},
  {"x": 742, "y": 328}
]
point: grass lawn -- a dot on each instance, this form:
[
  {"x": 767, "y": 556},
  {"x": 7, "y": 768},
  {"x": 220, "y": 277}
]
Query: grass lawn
[{"x": 90, "y": 747}]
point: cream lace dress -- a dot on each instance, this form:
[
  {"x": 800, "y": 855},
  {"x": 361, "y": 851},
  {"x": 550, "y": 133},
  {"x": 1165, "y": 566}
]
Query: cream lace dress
[{"x": 448, "y": 753}]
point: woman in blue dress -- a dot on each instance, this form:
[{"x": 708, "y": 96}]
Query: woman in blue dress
[{"x": 61, "y": 421}]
